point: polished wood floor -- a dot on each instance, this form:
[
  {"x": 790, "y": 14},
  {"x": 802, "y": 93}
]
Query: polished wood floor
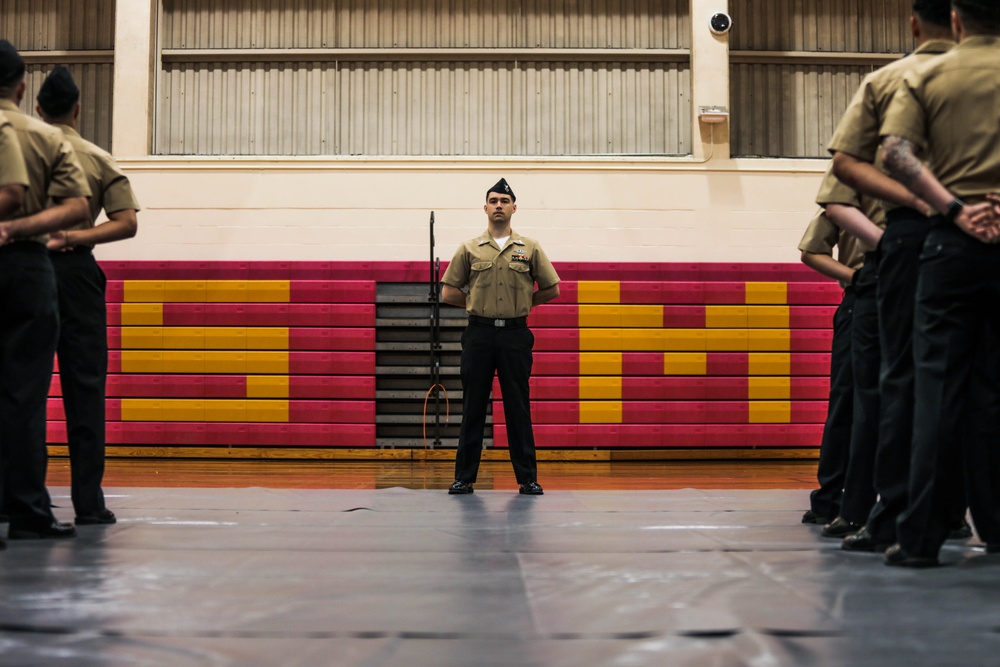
[{"x": 553, "y": 475}]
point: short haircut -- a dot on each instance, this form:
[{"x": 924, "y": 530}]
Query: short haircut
[
  {"x": 981, "y": 15},
  {"x": 936, "y": 12}
]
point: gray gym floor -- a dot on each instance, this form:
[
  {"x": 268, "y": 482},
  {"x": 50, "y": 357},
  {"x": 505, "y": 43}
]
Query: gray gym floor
[{"x": 417, "y": 577}]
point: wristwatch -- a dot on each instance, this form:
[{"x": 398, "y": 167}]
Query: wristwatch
[{"x": 954, "y": 208}]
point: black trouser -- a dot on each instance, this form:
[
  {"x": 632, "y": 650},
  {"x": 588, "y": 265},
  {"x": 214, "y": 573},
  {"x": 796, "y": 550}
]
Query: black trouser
[
  {"x": 505, "y": 352},
  {"x": 834, "y": 448},
  {"x": 958, "y": 295},
  {"x": 83, "y": 371},
  {"x": 29, "y": 328},
  {"x": 899, "y": 266},
  {"x": 859, "y": 486}
]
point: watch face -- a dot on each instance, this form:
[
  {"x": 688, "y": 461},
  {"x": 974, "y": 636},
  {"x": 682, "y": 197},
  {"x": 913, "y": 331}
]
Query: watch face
[{"x": 720, "y": 23}]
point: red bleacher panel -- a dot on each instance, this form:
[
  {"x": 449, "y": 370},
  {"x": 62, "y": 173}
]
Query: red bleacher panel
[
  {"x": 343, "y": 386},
  {"x": 331, "y": 339},
  {"x": 599, "y": 436},
  {"x": 684, "y": 317},
  {"x": 331, "y": 363},
  {"x": 811, "y": 317},
  {"x": 554, "y": 315},
  {"x": 814, "y": 294},
  {"x": 811, "y": 340},
  {"x": 641, "y": 435},
  {"x": 316, "y": 412},
  {"x": 550, "y": 388},
  {"x": 556, "y": 340},
  {"x": 341, "y": 291},
  {"x": 642, "y": 363}
]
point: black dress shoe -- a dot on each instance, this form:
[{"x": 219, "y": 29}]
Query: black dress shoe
[
  {"x": 960, "y": 531},
  {"x": 460, "y": 488},
  {"x": 841, "y": 527},
  {"x": 104, "y": 517},
  {"x": 897, "y": 556},
  {"x": 812, "y": 517},
  {"x": 53, "y": 531},
  {"x": 530, "y": 489},
  {"x": 863, "y": 541}
]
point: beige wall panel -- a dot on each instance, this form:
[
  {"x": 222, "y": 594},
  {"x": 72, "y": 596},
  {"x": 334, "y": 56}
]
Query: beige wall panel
[
  {"x": 821, "y": 25},
  {"x": 423, "y": 109},
  {"x": 56, "y": 25},
  {"x": 275, "y": 24},
  {"x": 789, "y": 110}
]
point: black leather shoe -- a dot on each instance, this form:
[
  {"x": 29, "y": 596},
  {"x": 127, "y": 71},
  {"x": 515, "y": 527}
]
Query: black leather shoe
[
  {"x": 460, "y": 488},
  {"x": 812, "y": 517},
  {"x": 531, "y": 489},
  {"x": 961, "y": 531},
  {"x": 53, "y": 531},
  {"x": 897, "y": 556},
  {"x": 863, "y": 541},
  {"x": 841, "y": 527},
  {"x": 104, "y": 517}
]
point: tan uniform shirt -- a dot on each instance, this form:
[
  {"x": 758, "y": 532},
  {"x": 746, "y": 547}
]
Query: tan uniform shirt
[
  {"x": 948, "y": 108},
  {"x": 501, "y": 282},
  {"x": 109, "y": 187},
  {"x": 822, "y": 236},
  {"x": 53, "y": 170},
  {"x": 859, "y": 132},
  {"x": 12, "y": 170}
]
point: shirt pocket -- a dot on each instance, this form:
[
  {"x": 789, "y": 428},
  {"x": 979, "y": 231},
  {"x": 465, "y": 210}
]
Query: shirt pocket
[
  {"x": 520, "y": 267},
  {"x": 482, "y": 274}
]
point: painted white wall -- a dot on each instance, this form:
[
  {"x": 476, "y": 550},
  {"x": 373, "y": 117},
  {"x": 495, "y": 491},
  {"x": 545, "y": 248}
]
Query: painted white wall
[{"x": 668, "y": 211}]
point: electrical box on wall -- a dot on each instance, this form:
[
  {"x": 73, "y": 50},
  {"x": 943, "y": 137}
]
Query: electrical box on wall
[{"x": 713, "y": 114}]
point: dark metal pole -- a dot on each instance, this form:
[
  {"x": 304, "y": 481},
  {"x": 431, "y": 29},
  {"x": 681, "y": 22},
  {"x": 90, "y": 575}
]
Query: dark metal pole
[{"x": 435, "y": 338}]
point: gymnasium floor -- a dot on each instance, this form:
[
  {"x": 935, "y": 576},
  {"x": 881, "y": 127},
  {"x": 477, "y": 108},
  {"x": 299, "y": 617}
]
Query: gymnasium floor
[{"x": 370, "y": 564}]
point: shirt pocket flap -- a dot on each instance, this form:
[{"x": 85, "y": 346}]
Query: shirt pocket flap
[
  {"x": 481, "y": 266},
  {"x": 521, "y": 267}
]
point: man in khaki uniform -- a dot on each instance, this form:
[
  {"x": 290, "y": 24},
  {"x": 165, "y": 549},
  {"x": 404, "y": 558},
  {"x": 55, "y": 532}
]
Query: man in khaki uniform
[
  {"x": 855, "y": 147},
  {"x": 500, "y": 269},
  {"x": 29, "y": 321},
  {"x": 845, "y": 490},
  {"x": 947, "y": 109},
  {"x": 83, "y": 338},
  {"x": 13, "y": 175}
]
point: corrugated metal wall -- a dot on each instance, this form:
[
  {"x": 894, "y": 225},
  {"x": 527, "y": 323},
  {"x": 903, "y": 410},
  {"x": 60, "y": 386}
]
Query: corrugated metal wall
[
  {"x": 551, "y": 103},
  {"x": 66, "y": 26},
  {"x": 787, "y": 104}
]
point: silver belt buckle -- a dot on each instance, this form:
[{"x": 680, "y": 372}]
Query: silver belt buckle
[{"x": 499, "y": 323}]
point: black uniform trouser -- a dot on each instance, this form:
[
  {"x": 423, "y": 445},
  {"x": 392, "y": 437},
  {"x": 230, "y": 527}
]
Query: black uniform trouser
[
  {"x": 505, "y": 352},
  {"x": 958, "y": 294},
  {"x": 29, "y": 328},
  {"x": 83, "y": 372},
  {"x": 834, "y": 448},
  {"x": 859, "y": 485},
  {"x": 899, "y": 268}
]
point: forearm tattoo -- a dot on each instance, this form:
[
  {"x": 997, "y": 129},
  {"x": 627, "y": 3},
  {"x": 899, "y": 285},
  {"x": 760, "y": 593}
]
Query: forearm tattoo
[{"x": 900, "y": 160}]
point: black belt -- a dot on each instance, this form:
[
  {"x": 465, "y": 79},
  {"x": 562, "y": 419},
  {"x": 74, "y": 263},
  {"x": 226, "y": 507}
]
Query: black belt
[
  {"x": 74, "y": 249},
  {"x": 905, "y": 213},
  {"x": 25, "y": 246},
  {"x": 498, "y": 321}
]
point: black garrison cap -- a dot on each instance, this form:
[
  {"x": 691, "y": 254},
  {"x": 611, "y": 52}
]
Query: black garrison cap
[
  {"x": 11, "y": 64},
  {"x": 502, "y": 187},
  {"x": 58, "y": 93}
]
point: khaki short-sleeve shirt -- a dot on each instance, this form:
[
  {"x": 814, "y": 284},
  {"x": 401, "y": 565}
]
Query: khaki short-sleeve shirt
[
  {"x": 12, "y": 170},
  {"x": 53, "y": 170},
  {"x": 948, "y": 108},
  {"x": 822, "y": 236},
  {"x": 109, "y": 186},
  {"x": 501, "y": 282},
  {"x": 859, "y": 132}
]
